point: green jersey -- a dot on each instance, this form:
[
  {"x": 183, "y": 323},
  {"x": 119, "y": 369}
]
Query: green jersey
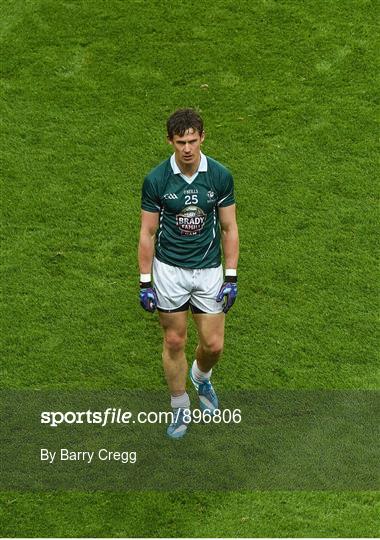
[{"x": 189, "y": 232}]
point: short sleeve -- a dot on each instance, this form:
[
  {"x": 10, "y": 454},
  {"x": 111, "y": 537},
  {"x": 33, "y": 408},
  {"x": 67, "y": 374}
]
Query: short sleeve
[
  {"x": 149, "y": 198},
  {"x": 226, "y": 194}
]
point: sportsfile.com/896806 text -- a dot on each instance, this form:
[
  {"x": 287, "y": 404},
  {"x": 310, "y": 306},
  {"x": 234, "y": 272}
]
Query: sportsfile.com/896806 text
[{"x": 118, "y": 416}]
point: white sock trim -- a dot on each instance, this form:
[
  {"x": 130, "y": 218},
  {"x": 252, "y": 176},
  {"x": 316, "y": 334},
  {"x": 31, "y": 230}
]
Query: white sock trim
[
  {"x": 182, "y": 401},
  {"x": 198, "y": 374}
]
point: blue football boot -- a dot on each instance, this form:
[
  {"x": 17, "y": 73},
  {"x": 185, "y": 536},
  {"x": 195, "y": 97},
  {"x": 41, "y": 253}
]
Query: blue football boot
[
  {"x": 208, "y": 400},
  {"x": 178, "y": 427}
]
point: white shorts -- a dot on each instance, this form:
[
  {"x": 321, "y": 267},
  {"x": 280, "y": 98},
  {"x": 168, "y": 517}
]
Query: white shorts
[{"x": 178, "y": 288}]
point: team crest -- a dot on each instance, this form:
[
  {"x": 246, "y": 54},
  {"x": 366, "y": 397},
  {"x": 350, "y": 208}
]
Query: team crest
[
  {"x": 191, "y": 220},
  {"x": 210, "y": 196}
]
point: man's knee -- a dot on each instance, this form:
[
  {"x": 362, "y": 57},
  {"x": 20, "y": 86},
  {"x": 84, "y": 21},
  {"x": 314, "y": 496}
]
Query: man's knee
[
  {"x": 174, "y": 342},
  {"x": 213, "y": 347}
]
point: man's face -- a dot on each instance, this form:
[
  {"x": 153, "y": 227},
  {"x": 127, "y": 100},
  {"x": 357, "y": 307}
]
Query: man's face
[{"x": 187, "y": 147}]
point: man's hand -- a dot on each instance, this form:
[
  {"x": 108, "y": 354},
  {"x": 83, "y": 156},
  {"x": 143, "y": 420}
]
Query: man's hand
[
  {"x": 228, "y": 293},
  {"x": 148, "y": 297}
]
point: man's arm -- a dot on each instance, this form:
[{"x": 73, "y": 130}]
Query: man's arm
[
  {"x": 230, "y": 235},
  {"x": 230, "y": 244},
  {"x": 149, "y": 224}
]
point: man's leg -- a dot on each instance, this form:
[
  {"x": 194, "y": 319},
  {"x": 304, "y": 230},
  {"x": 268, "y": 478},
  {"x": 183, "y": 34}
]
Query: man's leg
[
  {"x": 211, "y": 338},
  {"x": 174, "y": 326}
]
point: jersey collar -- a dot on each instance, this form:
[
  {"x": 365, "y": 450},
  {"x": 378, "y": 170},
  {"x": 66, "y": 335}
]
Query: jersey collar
[{"x": 202, "y": 165}]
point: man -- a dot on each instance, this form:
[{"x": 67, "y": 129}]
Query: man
[{"x": 188, "y": 211}]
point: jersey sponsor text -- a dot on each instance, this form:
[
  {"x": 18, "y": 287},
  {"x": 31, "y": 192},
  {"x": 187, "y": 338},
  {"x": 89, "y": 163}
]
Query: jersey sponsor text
[{"x": 191, "y": 220}]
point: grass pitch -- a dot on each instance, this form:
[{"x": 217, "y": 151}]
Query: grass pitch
[{"x": 287, "y": 92}]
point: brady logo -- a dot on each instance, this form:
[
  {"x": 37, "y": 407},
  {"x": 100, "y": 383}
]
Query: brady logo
[
  {"x": 170, "y": 196},
  {"x": 191, "y": 220}
]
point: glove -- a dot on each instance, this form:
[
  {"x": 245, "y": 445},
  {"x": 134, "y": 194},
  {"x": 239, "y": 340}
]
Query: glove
[
  {"x": 148, "y": 297},
  {"x": 228, "y": 292}
]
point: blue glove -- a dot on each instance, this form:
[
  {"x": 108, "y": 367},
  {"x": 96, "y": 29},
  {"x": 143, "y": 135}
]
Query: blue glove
[
  {"x": 148, "y": 297},
  {"x": 228, "y": 293}
]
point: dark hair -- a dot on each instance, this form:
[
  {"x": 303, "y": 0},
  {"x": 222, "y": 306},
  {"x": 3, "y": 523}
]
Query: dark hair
[{"x": 182, "y": 120}]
